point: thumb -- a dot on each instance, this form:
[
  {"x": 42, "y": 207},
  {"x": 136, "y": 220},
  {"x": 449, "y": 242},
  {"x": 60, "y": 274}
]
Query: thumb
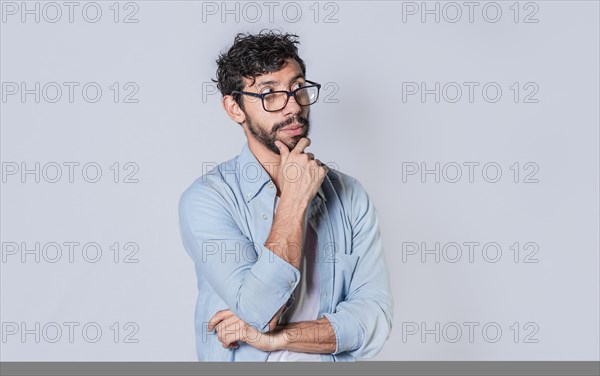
[{"x": 283, "y": 149}]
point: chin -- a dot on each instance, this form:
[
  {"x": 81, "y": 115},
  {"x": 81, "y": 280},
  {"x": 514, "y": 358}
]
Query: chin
[{"x": 294, "y": 141}]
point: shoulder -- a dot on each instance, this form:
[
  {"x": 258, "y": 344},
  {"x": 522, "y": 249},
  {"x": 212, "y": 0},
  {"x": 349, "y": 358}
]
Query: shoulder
[
  {"x": 215, "y": 187},
  {"x": 351, "y": 194},
  {"x": 347, "y": 187}
]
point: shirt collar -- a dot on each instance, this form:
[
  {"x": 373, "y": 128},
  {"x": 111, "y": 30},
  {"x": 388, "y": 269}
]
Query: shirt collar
[{"x": 253, "y": 176}]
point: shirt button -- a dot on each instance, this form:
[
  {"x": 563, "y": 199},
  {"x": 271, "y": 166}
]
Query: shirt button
[
  {"x": 291, "y": 283},
  {"x": 271, "y": 185},
  {"x": 264, "y": 216}
]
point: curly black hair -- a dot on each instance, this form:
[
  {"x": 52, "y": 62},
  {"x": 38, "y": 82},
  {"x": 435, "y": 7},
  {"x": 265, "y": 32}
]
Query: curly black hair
[{"x": 253, "y": 55}]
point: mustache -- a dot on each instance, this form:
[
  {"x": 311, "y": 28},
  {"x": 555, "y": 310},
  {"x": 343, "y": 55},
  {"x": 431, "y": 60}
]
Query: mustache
[{"x": 292, "y": 119}]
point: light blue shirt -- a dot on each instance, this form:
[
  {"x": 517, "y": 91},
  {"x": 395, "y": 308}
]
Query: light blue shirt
[{"x": 225, "y": 218}]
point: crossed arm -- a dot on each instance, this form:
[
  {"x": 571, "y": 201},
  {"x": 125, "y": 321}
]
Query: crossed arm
[
  {"x": 316, "y": 336},
  {"x": 257, "y": 285}
]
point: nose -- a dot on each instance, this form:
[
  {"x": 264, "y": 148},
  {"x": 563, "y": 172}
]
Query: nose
[{"x": 292, "y": 107}]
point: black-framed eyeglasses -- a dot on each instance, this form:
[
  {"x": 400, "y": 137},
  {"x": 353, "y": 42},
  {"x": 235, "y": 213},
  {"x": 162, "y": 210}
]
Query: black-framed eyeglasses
[{"x": 277, "y": 100}]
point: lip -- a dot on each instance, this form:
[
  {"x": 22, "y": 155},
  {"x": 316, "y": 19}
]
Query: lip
[{"x": 293, "y": 130}]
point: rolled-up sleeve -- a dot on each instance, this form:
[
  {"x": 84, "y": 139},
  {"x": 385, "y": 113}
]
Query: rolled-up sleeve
[
  {"x": 363, "y": 321},
  {"x": 252, "y": 280}
]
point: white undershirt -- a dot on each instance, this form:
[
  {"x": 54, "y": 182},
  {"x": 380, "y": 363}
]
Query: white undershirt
[{"x": 307, "y": 299}]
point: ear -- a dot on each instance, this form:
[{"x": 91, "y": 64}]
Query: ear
[{"x": 233, "y": 109}]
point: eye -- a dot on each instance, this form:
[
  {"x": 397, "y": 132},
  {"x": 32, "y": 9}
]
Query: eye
[
  {"x": 297, "y": 85},
  {"x": 266, "y": 90}
]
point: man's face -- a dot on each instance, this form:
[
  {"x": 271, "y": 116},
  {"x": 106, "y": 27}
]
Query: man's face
[{"x": 288, "y": 125}]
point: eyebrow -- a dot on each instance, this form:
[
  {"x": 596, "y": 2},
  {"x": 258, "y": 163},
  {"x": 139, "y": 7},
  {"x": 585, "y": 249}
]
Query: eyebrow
[{"x": 275, "y": 83}]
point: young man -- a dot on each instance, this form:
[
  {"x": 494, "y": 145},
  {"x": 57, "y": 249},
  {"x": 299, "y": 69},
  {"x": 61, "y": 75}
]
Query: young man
[{"x": 288, "y": 253}]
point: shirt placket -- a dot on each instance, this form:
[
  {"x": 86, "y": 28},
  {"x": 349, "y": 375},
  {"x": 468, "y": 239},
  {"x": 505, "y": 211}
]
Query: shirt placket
[{"x": 322, "y": 226}]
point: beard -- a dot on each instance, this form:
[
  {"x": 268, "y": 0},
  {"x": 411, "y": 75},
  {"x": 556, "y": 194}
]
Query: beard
[{"x": 268, "y": 138}]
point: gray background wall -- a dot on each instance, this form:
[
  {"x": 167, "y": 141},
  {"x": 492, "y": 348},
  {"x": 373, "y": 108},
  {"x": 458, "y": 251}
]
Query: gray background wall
[{"x": 536, "y": 300}]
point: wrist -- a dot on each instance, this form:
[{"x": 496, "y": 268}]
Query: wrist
[
  {"x": 296, "y": 205},
  {"x": 278, "y": 339}
]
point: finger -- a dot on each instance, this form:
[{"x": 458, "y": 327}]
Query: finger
[
  {"x": 301, "y": 145},
  {"x": 232, "y": 345},
  {"x": 283, "y": 149},
  {"x": 215, "y": 319},
  {"x": 229, "y": 329},
  {"x": 228, "y": 332},
  {"x": 322, "y": 168},
  {"x": 218, "y": 317},
  {"x": 230, "y": 325},
  {"x": 310, "y": 155}
]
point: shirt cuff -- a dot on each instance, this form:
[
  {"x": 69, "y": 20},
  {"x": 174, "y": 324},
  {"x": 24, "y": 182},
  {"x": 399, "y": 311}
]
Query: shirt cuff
[{"x": 348, "y": 334}]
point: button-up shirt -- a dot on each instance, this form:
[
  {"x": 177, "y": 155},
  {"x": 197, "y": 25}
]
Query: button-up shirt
[{"x": 225, "y": 218}]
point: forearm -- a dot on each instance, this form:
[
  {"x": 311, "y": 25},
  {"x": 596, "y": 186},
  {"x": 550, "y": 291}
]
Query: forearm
[
  {"x": 315, "y": 336},
  {"x": 286, "y": 236}
]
